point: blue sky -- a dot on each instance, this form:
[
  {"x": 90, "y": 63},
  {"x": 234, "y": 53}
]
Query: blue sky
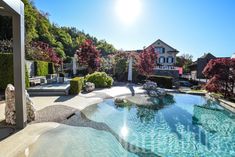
[{"x": 191, "y": 26}]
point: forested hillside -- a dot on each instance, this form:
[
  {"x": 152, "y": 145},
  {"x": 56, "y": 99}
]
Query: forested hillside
[{"x": 64, "y": 40}]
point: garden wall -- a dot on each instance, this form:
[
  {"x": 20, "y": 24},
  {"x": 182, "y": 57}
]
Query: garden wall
[{"x": 171, "y": 73}]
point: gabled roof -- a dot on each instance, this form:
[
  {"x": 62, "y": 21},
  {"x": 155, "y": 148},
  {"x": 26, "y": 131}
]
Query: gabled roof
[
  {"x": 159, "y": 40},
  {"x": 206, "y": 55}
]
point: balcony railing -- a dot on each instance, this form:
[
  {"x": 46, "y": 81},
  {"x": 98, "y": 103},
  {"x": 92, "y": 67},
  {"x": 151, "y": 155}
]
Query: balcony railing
[{"x": 166, "y": 68}]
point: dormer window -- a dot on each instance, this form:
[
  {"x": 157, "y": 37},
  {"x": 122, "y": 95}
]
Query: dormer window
[{"x": 159, "y": 50}]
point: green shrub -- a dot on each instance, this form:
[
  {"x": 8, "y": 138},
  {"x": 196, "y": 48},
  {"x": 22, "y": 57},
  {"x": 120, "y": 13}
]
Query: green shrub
[
  {"x": 76, "y": 85},
  {"x": 7, "y": 73},
  {"x": 121, "y": 71},
  {"x": 27, "y": 85},
  {"x": 162, "y": 81},
  {"x": 100, "y": 79},
  {"x": 6, "y": 70},
  {"x": 41, "y": 68}
]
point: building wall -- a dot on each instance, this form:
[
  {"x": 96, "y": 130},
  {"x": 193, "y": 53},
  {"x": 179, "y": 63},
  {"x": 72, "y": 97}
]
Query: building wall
[
  {"x": 166, "y": 54},
  {"x": 194, "y": 75},
  {"x": 172, "y": 73},
  {"x": 30, "y": 67},
  {"x": 201, "y": 64}
]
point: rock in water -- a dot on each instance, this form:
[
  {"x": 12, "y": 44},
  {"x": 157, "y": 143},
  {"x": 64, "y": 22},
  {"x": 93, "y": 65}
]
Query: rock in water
[
  {"x": 89, "y": 87},
  {"x": 10, "y": 113},
  {"x": 150, "y": 85}
]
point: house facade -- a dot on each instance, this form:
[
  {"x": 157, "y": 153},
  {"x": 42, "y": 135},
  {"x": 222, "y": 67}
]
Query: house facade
[
  {"x": 166, "y": 55},
  {"x": 198, "y": 66},
  {"x": 166, "y": 59}
]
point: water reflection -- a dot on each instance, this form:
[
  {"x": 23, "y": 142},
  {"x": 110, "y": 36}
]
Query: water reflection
[
  {"x": 177, "y": 123},
  {"x": 214, "y": 119}
]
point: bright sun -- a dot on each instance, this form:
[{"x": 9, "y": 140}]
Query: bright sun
[{"x": 128, "y": 10}]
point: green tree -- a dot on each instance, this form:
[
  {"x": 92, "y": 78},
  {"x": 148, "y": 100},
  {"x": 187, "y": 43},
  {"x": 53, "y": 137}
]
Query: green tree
[
  {"x": 31, "y": 15},
  {"x": 185, "y": 60}
]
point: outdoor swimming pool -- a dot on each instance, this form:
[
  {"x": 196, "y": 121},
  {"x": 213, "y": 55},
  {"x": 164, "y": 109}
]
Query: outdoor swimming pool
[{"x": 181, "y": 125}]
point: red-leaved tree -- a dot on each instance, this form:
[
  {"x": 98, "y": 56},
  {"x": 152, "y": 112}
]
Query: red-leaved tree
[
  {"x": 147, "y": 61},
  {"x": 221, "y": 75},
  {"x": 89, "y": 56},
  {"x": 42, "y": 51}
]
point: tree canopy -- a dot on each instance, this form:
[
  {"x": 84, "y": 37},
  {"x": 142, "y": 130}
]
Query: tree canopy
[
  {"x": 221, "y": 75},
  {"x": 184, "y": 61},
  {"x": 64, "y": 40}
]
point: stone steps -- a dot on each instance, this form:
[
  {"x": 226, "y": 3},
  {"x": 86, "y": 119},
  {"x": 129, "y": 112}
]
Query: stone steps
[{"x": 49, "y": 90}]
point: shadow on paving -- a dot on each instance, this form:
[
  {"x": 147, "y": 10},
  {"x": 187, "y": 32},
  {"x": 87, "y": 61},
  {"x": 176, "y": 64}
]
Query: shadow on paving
[
  {"x": 6, "y": 130},
  {"x": 64, "y": 98}
]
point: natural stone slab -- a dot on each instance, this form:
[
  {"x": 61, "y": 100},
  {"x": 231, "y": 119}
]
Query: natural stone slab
[{"x": 10, "y": 113}]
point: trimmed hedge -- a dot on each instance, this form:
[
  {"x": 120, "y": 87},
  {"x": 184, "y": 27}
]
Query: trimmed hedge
[
  {"x": 100, "y": 79},
  {"x": 41, "y": 68},
  {"x": 162, "y": 81},
  {"x": 6, "y": 71},
  {"x": 27, "y": 84},
  {"x": 76, "y": 85}
]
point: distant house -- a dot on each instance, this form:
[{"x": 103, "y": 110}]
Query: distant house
[
  {"x": 197, "y": 67},
  {"x": 166, "y": 59},
  {"x": 166, "y": 55}
]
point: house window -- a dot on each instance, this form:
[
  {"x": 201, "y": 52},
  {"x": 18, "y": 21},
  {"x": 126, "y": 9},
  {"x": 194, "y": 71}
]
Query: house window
[
  {"x": 159, "y": 50},
  {"x": 162, "y": 60},
  {"x": 170, "y": 59}
]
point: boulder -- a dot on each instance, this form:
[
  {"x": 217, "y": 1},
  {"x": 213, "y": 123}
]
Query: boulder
[
  {"x": 161, "y": 92},
  {"x": 153, "y": 93},
  {"x": 121, "y": 102},
  {"x": 10, "y": 106},
  {"x": 89, "y": 87},
  {"x": 150, "y": 85}
]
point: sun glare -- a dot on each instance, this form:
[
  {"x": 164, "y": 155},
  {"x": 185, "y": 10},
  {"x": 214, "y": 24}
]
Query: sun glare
[
  {"x": 128, "y": 10},
  {"x": 124, "y": 131}
]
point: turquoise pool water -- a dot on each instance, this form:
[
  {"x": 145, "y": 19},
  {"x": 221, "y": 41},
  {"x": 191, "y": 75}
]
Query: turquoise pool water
[
  {"x": 182, "y": 125},
  {"x": 179, "y": 125}
]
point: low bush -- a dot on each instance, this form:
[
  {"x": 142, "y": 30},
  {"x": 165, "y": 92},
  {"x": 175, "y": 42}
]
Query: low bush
[
  {"x": 162, "y": 81},
  {"x": 6, "y": 71},
  {"x": 100, "y": 79},
  {"x": 76, "y": 85}
]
